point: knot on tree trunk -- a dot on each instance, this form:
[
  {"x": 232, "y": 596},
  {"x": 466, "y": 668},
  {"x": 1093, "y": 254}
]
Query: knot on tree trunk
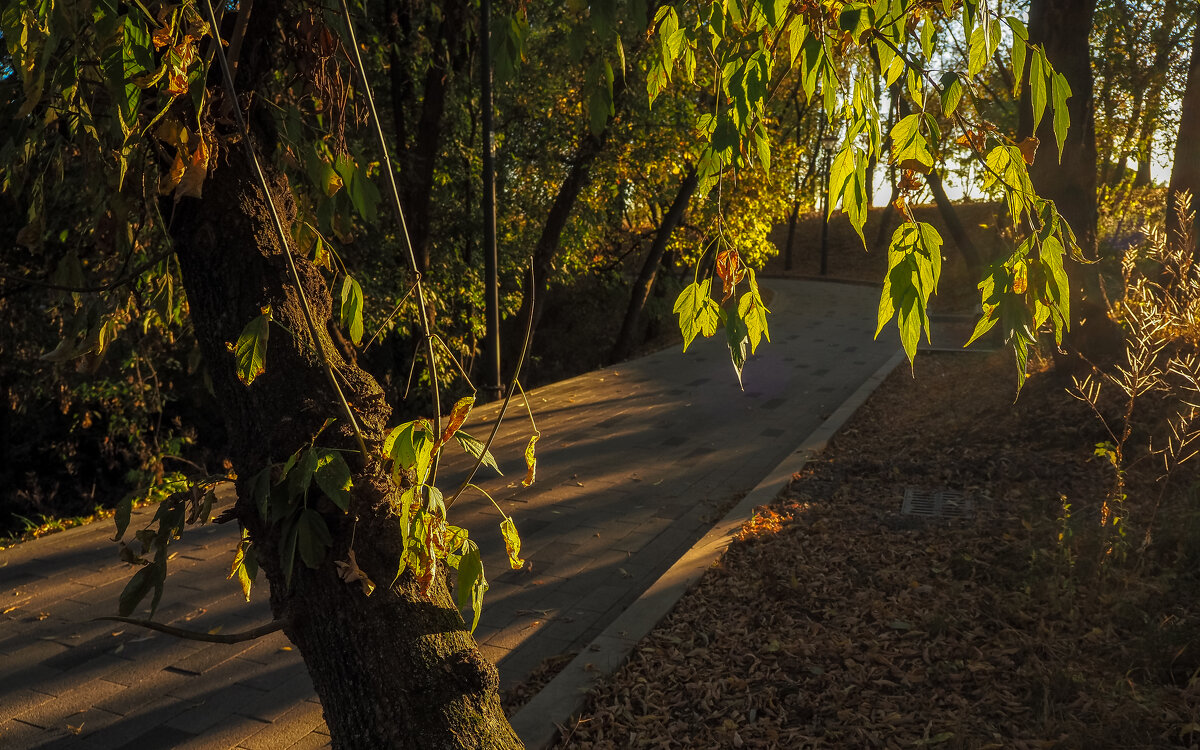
[{"x": 472, "y": 672}]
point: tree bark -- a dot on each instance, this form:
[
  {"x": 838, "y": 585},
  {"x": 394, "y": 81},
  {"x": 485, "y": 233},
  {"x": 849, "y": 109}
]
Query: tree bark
[
  {"x": 626, "y": 339},
  {"x": 393, "y": 670},
  {"x": 1185, "y": 169},
  {"x": 1064, "y": 26},
  {"x": 418, "y": 154}
]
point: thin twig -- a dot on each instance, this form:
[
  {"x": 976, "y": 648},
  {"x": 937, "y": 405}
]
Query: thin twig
[
  {"x": 194, "y": 635},
  {"x": 121, "y": 281}
]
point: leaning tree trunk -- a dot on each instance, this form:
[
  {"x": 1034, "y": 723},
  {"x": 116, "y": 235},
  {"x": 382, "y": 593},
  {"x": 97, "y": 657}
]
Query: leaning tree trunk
[
  {"x": 954, "y": 224},
  {"x": 393, "y": 670},
  {"x": 627, "y": 338},
  {"x": 1185, "y": 170}
]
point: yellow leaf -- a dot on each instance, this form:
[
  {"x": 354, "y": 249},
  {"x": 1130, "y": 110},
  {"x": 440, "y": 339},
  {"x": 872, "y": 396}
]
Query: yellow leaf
[
  {"x": 458, "y": 415},
  {"x": 169, "y": 180},
  {"x": 192, "y": 183},
  {"x": 530, "y": 461},
  {"x": 512, "y": 543},
  {"x": 161, "y": 37},
  {"x": 177, "y": 83}
]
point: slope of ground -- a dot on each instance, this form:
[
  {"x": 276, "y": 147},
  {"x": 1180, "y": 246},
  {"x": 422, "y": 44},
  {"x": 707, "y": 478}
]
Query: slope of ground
[{"x": 836, "y": 621}]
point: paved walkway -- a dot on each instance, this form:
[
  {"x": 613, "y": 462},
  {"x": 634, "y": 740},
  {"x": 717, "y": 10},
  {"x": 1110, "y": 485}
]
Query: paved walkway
[{"x": 634, "y": 464}]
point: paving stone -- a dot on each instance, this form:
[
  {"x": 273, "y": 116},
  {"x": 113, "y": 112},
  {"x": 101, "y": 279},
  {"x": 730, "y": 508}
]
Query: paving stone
[
  {"x": 148, "y": 713},
  {"x": 276, "y": 702},
  {"x": 313, "y": 741},
  {"x": 53, "y": 714},
  {"x": 213, "y": 708},
  {"x": 162, "y": 737},
  {"x": 286, "y": 730},
  {"x": 17, "y": 734},
  {"x": 20, "y": 700}
]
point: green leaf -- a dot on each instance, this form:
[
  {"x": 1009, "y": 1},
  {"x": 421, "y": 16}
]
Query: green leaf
[
  {"x": 752, "y": 311},
  {"x": 1060, "y": 91},
  {"x": 914, "y": 267},
  {"x": 986, "y": 322},
  {"x": 979, "y": 56},
  {"x": 512, "y": 543},
  {"x": 475, "y": 447},
  {"x": 260, "y": 491},
  {"x": 952, "y": 91},
  {"x": 300, "y": 478},
  {"x": 910, "y": 149},
  {"x": 361, "y": 191},
  {"x": 1037, "y": 86},
  {"x": 698, "y": 312},
  {"x": 333, "y": 477},
  {"x": 471, "y": 583},
  {"x": 124, "y": 511},
  {"x": 352, "y": 309},
  {"x": 410, "y": 447},
  {"x": 312, "y": 537},
  {"x": 149, "y": 577},
  {"x": 736, "y": 338},
  {"x": 251, "y": 348},
  {"x": 321, "y": 172}
]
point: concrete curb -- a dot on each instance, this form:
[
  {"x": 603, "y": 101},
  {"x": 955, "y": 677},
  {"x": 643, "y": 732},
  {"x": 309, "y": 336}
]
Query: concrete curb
[{"x": 538, "y": 721}]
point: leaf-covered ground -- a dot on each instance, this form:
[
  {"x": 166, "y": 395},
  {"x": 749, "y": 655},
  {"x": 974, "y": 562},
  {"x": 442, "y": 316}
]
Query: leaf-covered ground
[{"x": 836, "y": 621}]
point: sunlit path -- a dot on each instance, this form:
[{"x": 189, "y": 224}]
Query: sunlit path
[{"x": 634, "y": 463}]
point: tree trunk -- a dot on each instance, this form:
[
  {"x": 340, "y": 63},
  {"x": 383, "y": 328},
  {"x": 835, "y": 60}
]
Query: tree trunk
[
  {"x": 1064, "y": 26},
  {"x": 393, "y": 670},
  {"x": 626, "y": 339},
  {"x": 1185, "y": 169},
  {"x": 958, "y": 232},
  {"x": 419, "y": 153}
]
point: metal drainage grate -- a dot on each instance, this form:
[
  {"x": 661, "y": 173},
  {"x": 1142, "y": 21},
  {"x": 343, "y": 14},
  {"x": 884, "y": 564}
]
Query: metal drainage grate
[{"x": 938, "y": 504}]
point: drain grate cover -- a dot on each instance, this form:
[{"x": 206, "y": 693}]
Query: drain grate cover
[{"x": 937, "y": 504}]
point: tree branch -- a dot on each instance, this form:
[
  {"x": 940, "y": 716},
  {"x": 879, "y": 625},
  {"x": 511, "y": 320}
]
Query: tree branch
[{"x": 193, "y": 635}]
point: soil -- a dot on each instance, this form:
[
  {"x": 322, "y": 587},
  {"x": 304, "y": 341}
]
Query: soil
[{"x": 839, "y": 621}]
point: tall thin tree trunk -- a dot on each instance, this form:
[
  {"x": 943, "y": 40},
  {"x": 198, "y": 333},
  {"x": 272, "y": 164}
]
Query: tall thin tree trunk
[
  {"x": 1064, "y": 27},
  {"x": 1185, "y": 170},
  {"x": 627, "y": 338}
]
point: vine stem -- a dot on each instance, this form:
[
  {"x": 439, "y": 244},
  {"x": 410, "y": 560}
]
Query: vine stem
[
  {"x": 512, "y": 388},
  {"x": 412, "y": 258},
  {"x": 287, "y": 251}
]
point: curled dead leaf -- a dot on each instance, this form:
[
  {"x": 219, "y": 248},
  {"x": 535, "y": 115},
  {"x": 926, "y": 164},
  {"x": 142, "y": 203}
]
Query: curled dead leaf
[
  {"x": 177, "y": 83},
  {"x": 192, "y": 183},
  {"x": 530, "y": 461},
  {"x": 349, "y": 572},
  {"x": 161, "y": 37},
  {"x": 1029, "y": 148},
  {"x": 172, "y": 177}
]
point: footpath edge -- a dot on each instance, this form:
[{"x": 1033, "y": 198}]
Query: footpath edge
[{"x": 538, "y": 722}]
